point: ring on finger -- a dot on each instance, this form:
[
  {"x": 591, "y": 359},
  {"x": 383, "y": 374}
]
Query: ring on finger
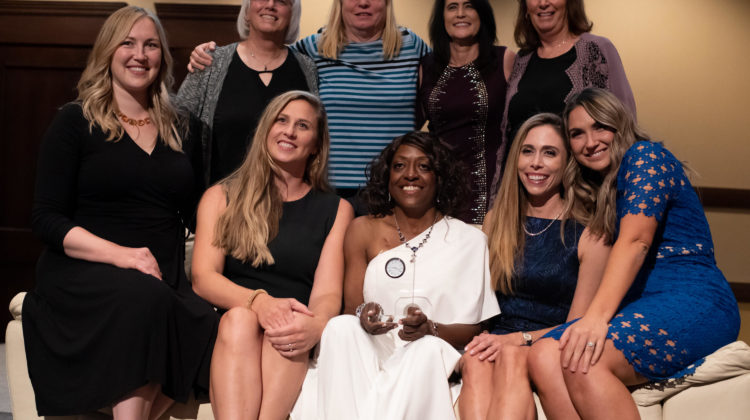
[
  {"x": 289, "y": 347},
  {"x": 591, "y": 344}
]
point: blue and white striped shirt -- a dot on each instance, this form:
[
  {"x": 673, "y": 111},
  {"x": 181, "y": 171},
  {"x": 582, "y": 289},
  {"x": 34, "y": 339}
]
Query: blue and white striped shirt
[{"x": 369, "y": 101}]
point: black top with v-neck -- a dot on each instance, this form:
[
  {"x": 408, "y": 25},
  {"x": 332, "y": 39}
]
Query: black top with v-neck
[
  {"x": 242, "y": 100},
  {"x": 108, "y": 330}
]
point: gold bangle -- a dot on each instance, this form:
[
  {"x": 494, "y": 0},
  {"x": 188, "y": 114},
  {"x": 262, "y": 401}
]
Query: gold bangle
[{"x": 255, "y": 294}]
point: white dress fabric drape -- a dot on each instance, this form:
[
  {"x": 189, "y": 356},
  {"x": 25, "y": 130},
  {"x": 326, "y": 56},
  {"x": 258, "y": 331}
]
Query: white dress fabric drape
[{"x": 362, "y": 376}]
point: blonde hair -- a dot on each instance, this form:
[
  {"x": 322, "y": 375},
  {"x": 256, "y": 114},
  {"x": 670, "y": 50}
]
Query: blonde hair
[
  {"x": 292, "y": 31},
  {"x": 251, "y": 219},
  {"x": 504, "y": 229},
  {"x": 333, "y": 39},
  {"x": 95, "y": 92},
  {"x": 595, "y": 194}
]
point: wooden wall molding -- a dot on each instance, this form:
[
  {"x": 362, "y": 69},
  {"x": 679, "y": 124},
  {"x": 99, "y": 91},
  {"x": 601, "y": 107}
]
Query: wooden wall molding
[
  {"x": 741, "y": 291},
  {"x": 50, "y": 22},
  {"x": 222, "y": 12},
  {"x": 57, "y": 8},
  {"x": 729, "y": 198}
]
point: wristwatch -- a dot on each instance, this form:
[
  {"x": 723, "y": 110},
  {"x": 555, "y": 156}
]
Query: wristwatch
[{"x": 527, "y": 338}]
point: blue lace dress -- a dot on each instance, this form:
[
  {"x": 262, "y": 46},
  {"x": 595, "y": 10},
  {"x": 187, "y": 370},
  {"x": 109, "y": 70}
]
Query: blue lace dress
[
  {"x": 546, "y": 279},
  {"x": 680, "y": 307}
]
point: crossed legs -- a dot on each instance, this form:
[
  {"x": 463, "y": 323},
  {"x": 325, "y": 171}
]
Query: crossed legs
[
  {"x": 499, "y": 389},
  {"x": 249, "y": 378},
  {"x": 600, "y": 393}
]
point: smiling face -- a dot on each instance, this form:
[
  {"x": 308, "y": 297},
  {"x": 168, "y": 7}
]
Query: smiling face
[
  {"x": 269, "y": 16},
  {"x": 590, "y": 141},
  {"x": 363, "y": 17},
  {"x": 461, "y": 20},
  {"x": 137, "y": 61},
  {"x": 412, "y": 181},
  {"x": 293, "y": 137},
  {"x": 541, "y": 163},
  {"x": 548, "y": 16}
]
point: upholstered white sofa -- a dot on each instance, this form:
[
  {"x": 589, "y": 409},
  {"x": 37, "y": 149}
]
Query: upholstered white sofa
[{"x": 720, "y": 388}]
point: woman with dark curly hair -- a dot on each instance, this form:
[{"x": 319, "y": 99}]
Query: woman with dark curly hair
[{"x": 412, "y": 261}]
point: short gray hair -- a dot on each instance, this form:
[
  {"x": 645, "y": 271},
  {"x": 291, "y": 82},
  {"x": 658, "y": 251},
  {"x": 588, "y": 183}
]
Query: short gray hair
[{"x": 292, "y": 32}]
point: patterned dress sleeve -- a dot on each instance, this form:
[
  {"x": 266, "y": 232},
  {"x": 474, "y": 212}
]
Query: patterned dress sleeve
[
  {"x": 57, "y": 174},
  {"x": 648, "y": 180}
]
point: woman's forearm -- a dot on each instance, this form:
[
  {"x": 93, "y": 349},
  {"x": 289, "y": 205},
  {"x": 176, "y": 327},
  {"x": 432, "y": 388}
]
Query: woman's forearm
[
  {"x": 624, "y": 262},
  {"x": 84, "y": 245},
  {"x": 457, "y": 335},
  {"x": 326, "y": 306}
]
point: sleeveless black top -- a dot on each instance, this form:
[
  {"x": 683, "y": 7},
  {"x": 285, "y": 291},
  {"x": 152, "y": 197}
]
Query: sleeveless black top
[{"x": 303, "y": 229}]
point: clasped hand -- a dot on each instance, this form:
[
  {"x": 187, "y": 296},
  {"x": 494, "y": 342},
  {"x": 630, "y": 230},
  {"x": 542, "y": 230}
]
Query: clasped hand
[
  {"x": 416, "y": 325},
  {"x": 289, "y": 325},
  {"x": 370, "y": 321},
  {"x": 487, "y": 346},
  {"x": 582, "y": 343},
  {"x": 140, "y": 259}
]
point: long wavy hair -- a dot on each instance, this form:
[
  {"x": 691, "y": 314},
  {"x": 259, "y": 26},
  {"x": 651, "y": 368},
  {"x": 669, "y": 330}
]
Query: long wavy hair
[
  {"x": 486, "y": 37},
  {"x": 95, "y": 92},
  {"x": 450, "y": 176},
  {"x": 292, "y": 31},
  {"x": 505, "y": 235},
  {"x": 254, "y": 203},
  {"x": 526, "y": 36},
  {"x": 333, "y": 39},
  {"x": 595, "y": 193}
]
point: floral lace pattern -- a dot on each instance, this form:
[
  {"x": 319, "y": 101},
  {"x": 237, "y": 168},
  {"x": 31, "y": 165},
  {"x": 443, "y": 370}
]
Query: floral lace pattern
[
  {"x": 679, "y": 307},
  {"x": 649, "y": 182},
  {"x": 648, "y": 348}
]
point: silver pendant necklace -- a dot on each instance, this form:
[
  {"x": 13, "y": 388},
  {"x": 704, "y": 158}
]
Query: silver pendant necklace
[{"x": 413, "y": 259}]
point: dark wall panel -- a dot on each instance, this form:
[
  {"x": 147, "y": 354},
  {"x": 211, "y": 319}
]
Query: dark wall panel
[{"x": 43, "y": 49}]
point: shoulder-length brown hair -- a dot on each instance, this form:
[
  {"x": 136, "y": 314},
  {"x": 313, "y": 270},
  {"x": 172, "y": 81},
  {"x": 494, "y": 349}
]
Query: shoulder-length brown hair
[
  {"x": 251, "y": 219},
  {"x": 505, "y": 235},
  {"x": 526, "y": 36},
  {"x": 596, "y": 193},
  {"x": 95, "y": 92},
  {"x": 333, "y": 39}
]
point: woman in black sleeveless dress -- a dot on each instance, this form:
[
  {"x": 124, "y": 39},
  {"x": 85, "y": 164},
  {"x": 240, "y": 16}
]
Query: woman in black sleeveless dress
[{"x": 269, "y": 251}]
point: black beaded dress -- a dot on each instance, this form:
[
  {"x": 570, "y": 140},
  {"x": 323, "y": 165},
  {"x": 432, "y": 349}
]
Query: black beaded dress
[
  {"x": 95, "y": 332},
  {"x": 464, "y": 106}
]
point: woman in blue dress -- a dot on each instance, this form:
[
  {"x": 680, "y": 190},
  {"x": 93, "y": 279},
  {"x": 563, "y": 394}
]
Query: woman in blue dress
[
  {"x": 545, "y": 268},
  {"x": 662, "y": 304}
]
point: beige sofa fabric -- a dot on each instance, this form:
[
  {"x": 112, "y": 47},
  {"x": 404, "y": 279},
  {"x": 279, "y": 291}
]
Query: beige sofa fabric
[{"x": 728, "y": 362}]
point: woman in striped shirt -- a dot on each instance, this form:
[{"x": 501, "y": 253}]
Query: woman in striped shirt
[{"x": 368, "y": 70}]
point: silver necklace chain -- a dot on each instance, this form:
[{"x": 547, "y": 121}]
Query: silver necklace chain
[
  {"x": 545, "y": 229},
  {"x": 402, "y": 238}
]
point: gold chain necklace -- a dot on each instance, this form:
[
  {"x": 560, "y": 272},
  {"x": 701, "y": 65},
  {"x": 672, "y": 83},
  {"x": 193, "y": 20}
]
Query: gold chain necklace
[{"x": 132, "y": 121}]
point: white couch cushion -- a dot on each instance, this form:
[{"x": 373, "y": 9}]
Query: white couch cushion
[{"x": 727, "y": 362}]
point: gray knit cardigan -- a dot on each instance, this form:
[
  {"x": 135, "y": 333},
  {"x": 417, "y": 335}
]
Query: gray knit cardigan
[{"x": 200, "y": 91}]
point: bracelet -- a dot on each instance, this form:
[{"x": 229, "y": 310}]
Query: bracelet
[
  {"x": 434, "y": 329},
  {"x": 255, "y": 294}
]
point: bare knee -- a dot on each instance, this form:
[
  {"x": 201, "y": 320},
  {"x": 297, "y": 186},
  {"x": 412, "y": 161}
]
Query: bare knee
[
  {"x": 239, "y": 326},
  {"x": 510, "y": 365},
  {"x": 475, "y": 371},
  {"x": 543, "y": 360}
]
